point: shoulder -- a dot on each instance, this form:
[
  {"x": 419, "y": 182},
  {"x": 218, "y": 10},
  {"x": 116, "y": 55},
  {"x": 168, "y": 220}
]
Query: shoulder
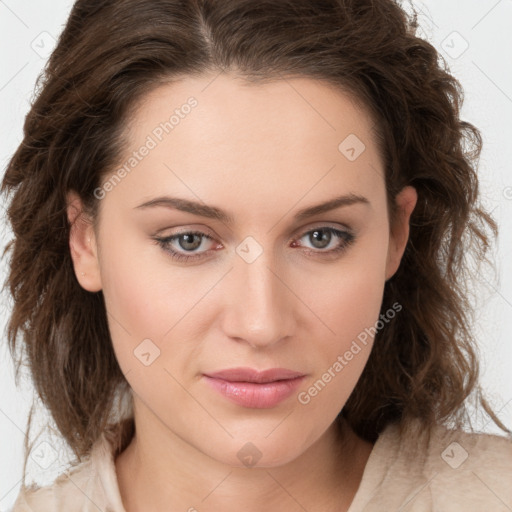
[
  {"x": 65, "y": 493},
  {"x": 447, "y": 450},
  {"x": 451, "y": 469},
  {"x": 487, "y": 452},
  {"x": 88, "y": 486}
]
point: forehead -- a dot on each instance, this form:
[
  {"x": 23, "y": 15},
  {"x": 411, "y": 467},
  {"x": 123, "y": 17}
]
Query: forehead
[
  {"x": 217, "y": 136},
  {"x": 291, "y": 108}
]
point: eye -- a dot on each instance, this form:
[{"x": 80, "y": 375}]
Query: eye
[
  {"x": 184, "y": 246},
  {"x": 187, "y": 241},
  {"x": 327, "y": 237}
]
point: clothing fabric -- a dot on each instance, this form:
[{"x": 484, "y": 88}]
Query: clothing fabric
[{"x": 446, "y": 471}]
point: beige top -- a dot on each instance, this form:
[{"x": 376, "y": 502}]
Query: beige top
[{"x": 451, "y": 471}]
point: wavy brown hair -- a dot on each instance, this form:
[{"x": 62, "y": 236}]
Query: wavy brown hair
[{"x": 111, "y": 53}]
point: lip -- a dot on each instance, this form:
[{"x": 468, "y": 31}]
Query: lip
[
  {"x": 255, "y": 389},
  {"x": 245, "y": 374}
]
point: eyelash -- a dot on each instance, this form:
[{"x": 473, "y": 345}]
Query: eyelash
[{"x": 164, "y": 242}]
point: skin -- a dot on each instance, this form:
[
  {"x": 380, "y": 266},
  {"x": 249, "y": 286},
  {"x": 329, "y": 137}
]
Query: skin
[{"x": 262, "y": 153}]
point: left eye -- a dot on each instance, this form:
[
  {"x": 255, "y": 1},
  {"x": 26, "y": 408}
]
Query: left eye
[
  {"x": 322, "y": 237},
  {"x": 190, "y": 241}
]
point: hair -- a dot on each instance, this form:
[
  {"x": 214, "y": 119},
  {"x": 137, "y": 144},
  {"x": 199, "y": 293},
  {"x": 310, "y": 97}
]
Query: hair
[{"x": 424, "y": 363}]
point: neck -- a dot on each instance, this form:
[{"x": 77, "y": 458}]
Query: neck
[{"x": 159, "y": 471}]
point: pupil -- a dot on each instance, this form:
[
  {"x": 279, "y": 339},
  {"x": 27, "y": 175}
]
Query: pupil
[
  {"x": 189, "y": 241},
  {"x": 321, "y": 239}
]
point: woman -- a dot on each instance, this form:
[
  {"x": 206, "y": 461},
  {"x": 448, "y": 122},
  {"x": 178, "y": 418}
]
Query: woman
[{"x": 239, "y": 262}]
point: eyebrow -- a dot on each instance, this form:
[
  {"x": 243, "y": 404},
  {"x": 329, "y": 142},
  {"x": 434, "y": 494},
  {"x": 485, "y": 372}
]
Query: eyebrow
[{"x": 212, "y": 212}]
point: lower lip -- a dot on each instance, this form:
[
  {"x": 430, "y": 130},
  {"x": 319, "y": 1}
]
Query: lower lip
[{"x": 256, "y": 396}]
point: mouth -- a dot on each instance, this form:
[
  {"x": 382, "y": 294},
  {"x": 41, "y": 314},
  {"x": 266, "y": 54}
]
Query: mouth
[{"x": 255, "y": 389}]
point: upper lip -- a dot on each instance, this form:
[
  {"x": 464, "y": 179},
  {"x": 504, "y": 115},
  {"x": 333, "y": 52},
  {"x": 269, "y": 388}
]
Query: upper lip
[{"x": 245, "y": 374}]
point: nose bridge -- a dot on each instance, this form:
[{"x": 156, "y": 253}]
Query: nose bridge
[{"x": 260, "y": 308}]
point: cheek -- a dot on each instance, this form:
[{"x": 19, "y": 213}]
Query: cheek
[
  {"x": 346, "y": 299},
  {"x": 347, "y": 295},
  {"x": 146, "y": 298},
  {"x": 340, "y": 358},
  {"x": 143, "y": 288}
]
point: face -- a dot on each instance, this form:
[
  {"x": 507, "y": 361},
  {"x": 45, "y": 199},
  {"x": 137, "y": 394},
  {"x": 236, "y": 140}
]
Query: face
[{"x": 213, "y": 254}]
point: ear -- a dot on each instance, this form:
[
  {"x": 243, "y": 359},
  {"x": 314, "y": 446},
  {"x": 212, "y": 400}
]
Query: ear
[
  {"x": 399, "y": 234},
  {"x": 82, "y": 244}
]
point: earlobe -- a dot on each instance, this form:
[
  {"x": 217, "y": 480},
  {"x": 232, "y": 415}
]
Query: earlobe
[
  {"x": 399, "y": 233},
  {"x": 82, "y": 245}
]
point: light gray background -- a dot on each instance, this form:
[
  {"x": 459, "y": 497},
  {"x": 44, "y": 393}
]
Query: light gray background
[{"x": 27, "y": 32}]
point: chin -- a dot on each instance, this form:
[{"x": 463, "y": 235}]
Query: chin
[{"x": 260, "y": 453}]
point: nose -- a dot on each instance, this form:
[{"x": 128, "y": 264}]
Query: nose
[{"x": 258, "y": 306}]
